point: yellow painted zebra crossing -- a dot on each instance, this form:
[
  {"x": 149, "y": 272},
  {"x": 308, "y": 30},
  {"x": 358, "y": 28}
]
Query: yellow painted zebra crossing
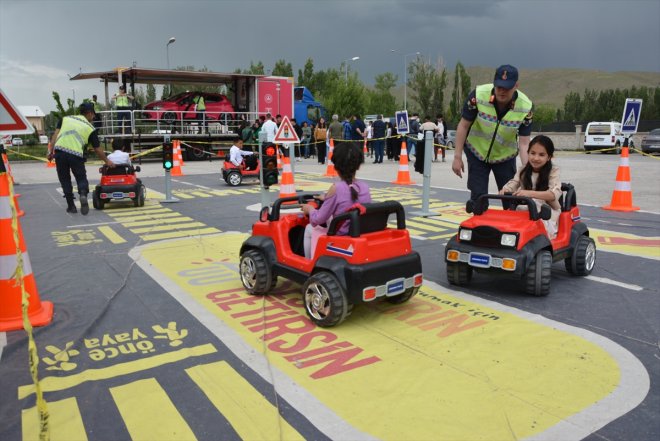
[
  {"x": 148, "y": 413},
  {"x": 155, "y": 222}
]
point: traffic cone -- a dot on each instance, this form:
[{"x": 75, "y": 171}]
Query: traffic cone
[
  {"x": 287, "y": 186},
  {"x": 279, "y": 157},
  {"x": 5, "y": 161},
  {"x": 366, "y": 150},
  {"x": 11, "y": 295},
  {"x": 622, "y": 194},
  {"x": 177, "y": 146},
  {"x": 176, "y": 168},
  {"x": 403, "y": 178},
  {"x": 49, "y": 163},
  {"x": 330, "y": 169}
]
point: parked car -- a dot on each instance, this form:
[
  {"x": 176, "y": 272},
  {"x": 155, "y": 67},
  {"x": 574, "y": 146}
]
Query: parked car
[
  {"x": 181, "y": 105},
  {"x": 43, "y": 139},
  {"x": 605, "y": 136},
  {"x": 17, "y": 141},
  {"x": 651, "y": 142},
  {"x": 451, "y": 139}
]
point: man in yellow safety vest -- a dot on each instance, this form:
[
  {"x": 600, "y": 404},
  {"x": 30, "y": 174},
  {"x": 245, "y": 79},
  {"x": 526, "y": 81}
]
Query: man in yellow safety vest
[
  {"x": 68, "y": 145},
  {"x": 200, "y": 108},
  {"x": 123, "y": 103},
  {"x": 495, "y": 127}
]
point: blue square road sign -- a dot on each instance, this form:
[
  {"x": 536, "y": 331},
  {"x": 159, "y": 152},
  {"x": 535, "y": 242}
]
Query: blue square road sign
[
  {"x": 402, "y": 127},
  {"x": 631, "y": 113}
]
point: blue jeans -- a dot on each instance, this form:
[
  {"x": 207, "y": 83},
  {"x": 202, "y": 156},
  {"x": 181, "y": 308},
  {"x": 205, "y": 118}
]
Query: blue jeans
[
  {"x": 124, "y": 114},
  {"x": 479, "y": 173},
  {"x": 379, "y": 146},
  {"x": 66, "y": 164},
  {"x": 412, "y": 143},
  {"x": 306, "y": 148}
]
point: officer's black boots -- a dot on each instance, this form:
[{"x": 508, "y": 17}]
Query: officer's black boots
[
  {"x": 84, "y": 206},
  {"x": 71, "y": 208}
]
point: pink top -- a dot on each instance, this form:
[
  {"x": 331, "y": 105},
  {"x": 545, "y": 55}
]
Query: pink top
[{"x": 339, "y": 203}]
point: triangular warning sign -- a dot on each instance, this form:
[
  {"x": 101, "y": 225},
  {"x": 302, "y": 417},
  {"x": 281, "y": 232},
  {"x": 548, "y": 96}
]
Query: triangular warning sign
[
  {"x": 12, "y": 122},
  {"x": 402, "y": 125},
  {"x": 631, "y": 121},
  {"x": 286, "y": 132}
]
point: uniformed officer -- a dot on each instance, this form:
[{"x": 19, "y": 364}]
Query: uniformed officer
[
  {"x": 123, "y": 104},
  {"x": 200, "y": 108},
  {"x": 97, "y": 109},
  {"x": 498, "y": 118},
  {"x": 68, "y": 145}
]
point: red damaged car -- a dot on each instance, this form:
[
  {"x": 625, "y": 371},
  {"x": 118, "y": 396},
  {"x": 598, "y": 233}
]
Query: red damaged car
[{"x": 182, "y": 105}]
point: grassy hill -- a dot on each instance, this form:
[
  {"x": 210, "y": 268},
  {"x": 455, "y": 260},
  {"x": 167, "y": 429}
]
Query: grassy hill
[{"x": 550, "y": 86}]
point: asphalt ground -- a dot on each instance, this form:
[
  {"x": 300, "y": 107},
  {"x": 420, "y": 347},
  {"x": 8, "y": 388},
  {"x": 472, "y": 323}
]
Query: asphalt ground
[{"x": 153, "y": 336}]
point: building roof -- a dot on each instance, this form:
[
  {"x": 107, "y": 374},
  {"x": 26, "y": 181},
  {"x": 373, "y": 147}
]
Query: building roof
[
  {"x": 162, "y": 76},
  {"x": 31, "y": 111}
]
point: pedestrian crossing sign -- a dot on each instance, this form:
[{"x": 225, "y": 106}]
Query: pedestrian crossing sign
[
  {"x": 631, "y": 113},
  {"x": 402, "y": 126},
  {"x": 286, "y": 132}
]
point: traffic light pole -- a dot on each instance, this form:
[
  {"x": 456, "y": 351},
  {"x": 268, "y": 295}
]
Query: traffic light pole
[
  {"x": 265, "y": 196},
  {"x": 168, "y": 188},
  {"x": 168, "y": 177},
  {"x": 426, "y": 189}
]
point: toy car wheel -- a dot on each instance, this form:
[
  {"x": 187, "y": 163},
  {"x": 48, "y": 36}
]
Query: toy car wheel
[
  {"x": 459, "y": 273},
  {"x": 97, "y": 202},
  {"x": 138, "y": 201},
  {"x": 255, "y": 273},
  {"x": 538, "y": 275},
  {"x": 402, "y": 298},
  {"x": 325, "y": 300},
  {"x": 234, "y": 178},
  {"x": 583, "y": 260}
]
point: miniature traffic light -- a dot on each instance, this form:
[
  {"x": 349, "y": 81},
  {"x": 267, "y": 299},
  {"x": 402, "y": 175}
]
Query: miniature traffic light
[
  {"x": 270, "y": 173},
  {"x": 168, "y": 156}
]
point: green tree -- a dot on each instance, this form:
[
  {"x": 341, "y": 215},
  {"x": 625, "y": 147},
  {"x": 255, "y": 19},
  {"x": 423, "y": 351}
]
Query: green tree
[
  {"x": 340, "y": 96},
  {"x": 543, "y": 115},
  {"x": 151, "y": 93},
  {"x": 306, "y": 76},
  {"x": 427, "y": 84},
  {"x": 381, "y": 99},
  {"x": 462, "y": 87},
  {"x": 282, "y": 69}
]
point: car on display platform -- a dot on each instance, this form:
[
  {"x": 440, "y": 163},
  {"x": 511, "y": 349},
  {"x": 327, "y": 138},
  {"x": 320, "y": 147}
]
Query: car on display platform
[
  {"x": 182, "y": 105},
  {"x": 118, "y": 183},
  {"x": 514, "y": 242},
  {"x": 251, "y": 168},
  {"x": 651, "y": 142},
  {"x": 372, "y": 262}
]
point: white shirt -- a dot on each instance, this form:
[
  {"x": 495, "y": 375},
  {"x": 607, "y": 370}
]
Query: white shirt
[
  {"x": 236, "y": 155},
  {"x": 118, "y": 157},
  {"x": 270, "y": 128}
]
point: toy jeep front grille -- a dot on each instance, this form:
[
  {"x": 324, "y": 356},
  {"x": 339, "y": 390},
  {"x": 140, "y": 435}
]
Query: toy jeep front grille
[{"x": 486, "y": 237}]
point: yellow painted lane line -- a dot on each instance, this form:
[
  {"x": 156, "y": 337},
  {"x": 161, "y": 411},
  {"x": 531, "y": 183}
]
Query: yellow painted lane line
[
  {"x": 442, "y": 236},
  {"x": 154, "y": 229},
  {"x": 182, "y": 195},
  {"x": 201, "y": 194},
  {"x": 149, "y": 216},
  {"x": 159, "y": 222},
  {"x": 129, "y": 213},
  {"x": 65, "y": 422},
  {"x": 148, "y": 412},
  {"x": 52, "y": 384},
  {"x": 249, "y": 413},
  {"x": 111, "y": 235},
  {"x": 181, "y": 233},
  {"x": 424, "y": 225}
]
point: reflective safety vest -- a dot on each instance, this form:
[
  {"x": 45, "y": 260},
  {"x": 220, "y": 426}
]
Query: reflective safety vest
[
  {"x": 493, "y": 140},
  {"x": 74, "y": 135},
  {"x": 97, "y": 106},
  {"x": 199, "y": 102},
  {"x": 122, "y": 101}
]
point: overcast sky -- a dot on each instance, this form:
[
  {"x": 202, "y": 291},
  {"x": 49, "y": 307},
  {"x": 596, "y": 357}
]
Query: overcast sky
[{"x": 44, "y": 41}]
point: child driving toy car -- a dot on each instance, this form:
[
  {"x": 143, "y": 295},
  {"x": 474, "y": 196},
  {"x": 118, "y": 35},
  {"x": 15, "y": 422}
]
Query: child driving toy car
[
  {"x": 347, "y": 158},
  {"x": 539, "y": 179},
  {"x": 236, "y": 153}
]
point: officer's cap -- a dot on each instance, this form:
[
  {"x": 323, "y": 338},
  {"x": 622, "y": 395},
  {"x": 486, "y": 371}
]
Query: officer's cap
[
  {"x": 506, "y": 76},
  {"x": 86, "y": 107}
]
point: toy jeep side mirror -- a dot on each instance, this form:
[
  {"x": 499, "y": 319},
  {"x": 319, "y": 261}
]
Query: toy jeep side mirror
[
  {"x": 263, "y": 214},
  {"x": 546, "y": 212}
]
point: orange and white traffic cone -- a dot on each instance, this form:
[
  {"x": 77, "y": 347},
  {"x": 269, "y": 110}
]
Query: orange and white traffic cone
[
  {"x": 50, "y": 163},
  {"x": 622, "y": 194},
  {"x": 279, "y": 157},
  {"x": 366, "y": 149},
  {"x": 11, "y": 256},
  {"x": 330, "y": 169},
  {"x": 176, "y": 168},
  {"x": 177, "y": 146},
  {"x": 5, "y": 161},
  {"x": 403, "y": 177},
  {"x": 287, "y": 186}
]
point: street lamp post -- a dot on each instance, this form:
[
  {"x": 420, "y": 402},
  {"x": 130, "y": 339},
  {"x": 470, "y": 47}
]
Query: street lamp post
[
  {"x": 346, "y": 63},
  {"x": 167, "y": 50}
]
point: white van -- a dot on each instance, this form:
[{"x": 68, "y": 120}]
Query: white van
[{"x": 604, "y": 135}]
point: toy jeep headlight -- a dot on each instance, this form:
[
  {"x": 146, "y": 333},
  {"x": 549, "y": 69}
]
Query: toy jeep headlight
[
  {"x": 465, "y": 234},
  {"x": 509, "y": 240}
]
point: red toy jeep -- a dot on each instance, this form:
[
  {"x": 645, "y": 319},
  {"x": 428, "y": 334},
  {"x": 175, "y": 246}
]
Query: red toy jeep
[
  {"x": 373, "y": 261},
  {"x": 250, "y": 168},
  {"x": 516, "y": 243},
  {"x": 117, "y": 183}
]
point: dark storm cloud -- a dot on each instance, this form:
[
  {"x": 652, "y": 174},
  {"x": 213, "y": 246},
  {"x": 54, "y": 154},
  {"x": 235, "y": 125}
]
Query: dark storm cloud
[{"x": 43, "y": 41}]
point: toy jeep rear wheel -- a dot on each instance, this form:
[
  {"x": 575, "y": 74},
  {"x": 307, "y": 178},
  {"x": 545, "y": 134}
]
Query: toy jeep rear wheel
[
  {"x": 138, "y": 201},
  {"x": 539, "y": 274},
  {"x": 325, "y": 300},
  {"x": 234, "y": 178},
  {"x": 255, "y": 273},
  {"x": 404, "y": 297},
  {"x": 459, "y": 273},
  {"x": 97, "y": 202},
  {"x": 583, "y": 260}
]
